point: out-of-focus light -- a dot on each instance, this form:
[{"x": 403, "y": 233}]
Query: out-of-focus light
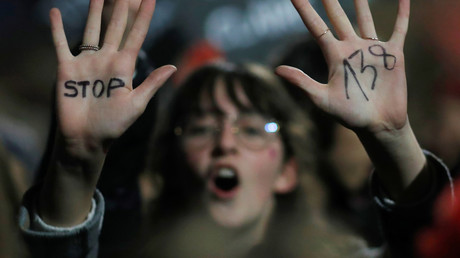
[{"x": 271, "y": 127}]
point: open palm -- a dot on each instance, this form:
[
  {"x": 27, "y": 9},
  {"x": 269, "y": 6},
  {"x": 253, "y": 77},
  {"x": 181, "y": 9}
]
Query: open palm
[
  {"x": 96, "y": 102},
  {"x": 367, "y": 83}
]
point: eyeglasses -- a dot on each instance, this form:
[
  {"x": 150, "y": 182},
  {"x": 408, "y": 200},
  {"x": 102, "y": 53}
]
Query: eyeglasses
[{"x": 251, "y": 130}]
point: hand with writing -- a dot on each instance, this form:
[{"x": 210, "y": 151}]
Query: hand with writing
[
  {"x": 95, "y": 97},
  {"x": 367, "y": 83},
  {"x": 366, "y": 90},
  {"x": 96, "y": 103}
]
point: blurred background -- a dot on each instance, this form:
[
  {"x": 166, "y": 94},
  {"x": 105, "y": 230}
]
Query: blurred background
[{"x": 183, "y": 32}]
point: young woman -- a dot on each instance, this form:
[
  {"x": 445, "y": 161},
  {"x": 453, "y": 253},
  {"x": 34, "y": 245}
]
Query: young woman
[
  {"x": 233, "y": 140},
  {"x": 235, "y": 150}
]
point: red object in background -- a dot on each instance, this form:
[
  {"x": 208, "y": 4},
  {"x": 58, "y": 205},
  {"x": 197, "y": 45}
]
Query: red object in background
[
  {"x": 442, "y": 240},
  {"x": 451, "y": 87},
  {"x": 197, "y": 55},
  {"x": 447, "y": 86},
  {"x": 442, "y": 27}
]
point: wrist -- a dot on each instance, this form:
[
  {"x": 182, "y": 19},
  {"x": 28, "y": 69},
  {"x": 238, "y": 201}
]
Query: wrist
[
  {"x": 70, "y": 182},
  {"x": 77, "y": 161},
  {"x": 78, "y": 151},
  {"x": 396, "y": 155}
]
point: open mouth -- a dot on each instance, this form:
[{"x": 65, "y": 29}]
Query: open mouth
[{"x": 224, "y": 181}]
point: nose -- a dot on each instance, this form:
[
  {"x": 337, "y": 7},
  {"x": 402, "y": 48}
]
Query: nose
[{"x": 225, "y": 142}]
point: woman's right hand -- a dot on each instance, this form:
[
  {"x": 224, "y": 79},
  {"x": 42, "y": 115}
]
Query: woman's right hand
[{"x": 96, "y": 101}]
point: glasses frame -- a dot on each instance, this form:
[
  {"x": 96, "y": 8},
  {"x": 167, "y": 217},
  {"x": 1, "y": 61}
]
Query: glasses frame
[{"x": 179, "y": 131}]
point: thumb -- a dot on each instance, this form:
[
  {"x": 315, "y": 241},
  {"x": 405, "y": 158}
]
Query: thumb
[
  {"x": 144, "y": 92},
  {"x": 314, "y": 89}
]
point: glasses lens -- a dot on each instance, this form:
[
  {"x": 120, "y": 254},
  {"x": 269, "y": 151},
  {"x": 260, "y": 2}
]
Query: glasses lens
[
  {"x": 199, "y": 131},
  {"x": 252, "y": 131},
  {"x": 255, "y": 131}
]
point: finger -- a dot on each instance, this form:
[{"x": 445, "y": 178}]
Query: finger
[
  {"x": 365, "y": 21},
  {"x": 339, "y": 19},
  {"x": 315, "y": 90},
  {"x": 93, "y": 23},
  {"x": 117, "y": 25},
  {"x": 313, "y": 21},
  {"x": 402, "y": 23},
  {"x": 59, "y": 38},
  {"x": 141, "y": 26},
  {"x": 154, "y": 81}
]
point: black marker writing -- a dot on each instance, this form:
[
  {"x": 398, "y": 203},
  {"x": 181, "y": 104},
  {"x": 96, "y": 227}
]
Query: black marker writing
[
  {"x": 364, "y": 67},
  {"x": 83, "y": 84},
  {"x": 113, "y": 84},
  {"x": 373, "y": 50},
  {"x": 346, "y": 66},
  {"x": 71, "y": 86},
  {"x": 101, "y": 91},
  {"x": 97, "y": 88}
]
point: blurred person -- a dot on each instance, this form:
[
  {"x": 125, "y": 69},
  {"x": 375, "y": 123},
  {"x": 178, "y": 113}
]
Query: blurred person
[
  {"x": 232, "y": 192},
  {"x": 234, "y": 141},
  {"x": 13, "y": 184}
]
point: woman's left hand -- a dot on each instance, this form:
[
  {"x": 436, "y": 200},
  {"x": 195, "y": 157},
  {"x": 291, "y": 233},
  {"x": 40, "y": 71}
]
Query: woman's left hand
[
  {"x": 367, "y": 82},
  {"x": 367, "y": 91}
]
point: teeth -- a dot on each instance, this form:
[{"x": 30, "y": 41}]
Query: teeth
[
  {"x": 226, "y": 179},
  {"x": 226, "y": 173}
]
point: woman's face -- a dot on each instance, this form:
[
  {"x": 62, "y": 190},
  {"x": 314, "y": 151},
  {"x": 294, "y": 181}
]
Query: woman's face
[{"x": 241, "y": 174}]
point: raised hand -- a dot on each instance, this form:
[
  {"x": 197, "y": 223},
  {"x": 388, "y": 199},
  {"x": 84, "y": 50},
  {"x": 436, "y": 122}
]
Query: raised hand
[
  {"x": 367, "y": 83},
  {"x": 96, "y": 103},
  {"x": 95, "y": 98},
  {"x": 366, "y": 90}
]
